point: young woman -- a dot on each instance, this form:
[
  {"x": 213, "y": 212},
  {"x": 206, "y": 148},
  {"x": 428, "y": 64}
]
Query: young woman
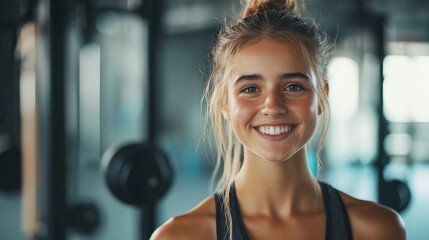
[{"x": 266, "y": 95}]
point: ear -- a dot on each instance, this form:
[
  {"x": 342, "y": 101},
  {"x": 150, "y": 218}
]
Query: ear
[
  {"x": 225, "y": 112},
  {"x": 326, "y": 93}
]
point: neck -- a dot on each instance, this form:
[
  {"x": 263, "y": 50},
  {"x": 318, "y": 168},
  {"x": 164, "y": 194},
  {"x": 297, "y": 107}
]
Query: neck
[{"x": 277, "y": 189}]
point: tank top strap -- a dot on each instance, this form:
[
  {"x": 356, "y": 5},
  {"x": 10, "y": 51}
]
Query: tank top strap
[
  {"x": 222, "y": 231},
  {"x": 337, "y": 220},
  {"x": 221, "y": 228}
]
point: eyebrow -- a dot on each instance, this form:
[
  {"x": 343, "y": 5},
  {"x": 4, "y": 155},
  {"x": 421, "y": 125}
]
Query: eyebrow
[
  {"x": 295, "y": 75},
  {"x": 283, "y": 76}
]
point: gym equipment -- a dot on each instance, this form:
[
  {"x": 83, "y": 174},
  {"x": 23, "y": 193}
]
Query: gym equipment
[
  {"x": 84, "y": 218},
  {"x": 138, "y": 174},
  {"x": 395, "y": 194},
  {"x": 10, "y": 169}
]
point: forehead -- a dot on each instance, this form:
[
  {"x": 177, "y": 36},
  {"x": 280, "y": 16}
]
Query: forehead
[{"x": 269, "y": 55}]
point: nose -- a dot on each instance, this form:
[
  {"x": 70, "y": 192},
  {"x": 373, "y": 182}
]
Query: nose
[{"x": 274, "y": 104}]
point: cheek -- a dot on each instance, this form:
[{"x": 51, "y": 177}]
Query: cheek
[
  {"x": 242, "y": 111},
  {"x": 306, "y": 108}
]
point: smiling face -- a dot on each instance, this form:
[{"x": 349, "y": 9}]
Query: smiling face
[{"x": 272, "y": 101}]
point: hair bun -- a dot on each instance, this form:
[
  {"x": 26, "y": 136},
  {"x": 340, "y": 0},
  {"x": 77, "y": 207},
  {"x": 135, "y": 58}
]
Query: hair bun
[{"x": 255, "y": 6}]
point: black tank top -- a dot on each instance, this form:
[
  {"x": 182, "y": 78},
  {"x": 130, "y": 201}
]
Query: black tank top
[{"x": 337, "y": 221}]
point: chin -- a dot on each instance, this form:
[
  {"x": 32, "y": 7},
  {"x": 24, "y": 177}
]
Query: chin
[
  {"x": 276, "y": 158},
  {"x": 280, "y": 155}
]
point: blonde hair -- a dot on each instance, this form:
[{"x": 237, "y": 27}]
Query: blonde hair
[{"x": 280, "y": 20}]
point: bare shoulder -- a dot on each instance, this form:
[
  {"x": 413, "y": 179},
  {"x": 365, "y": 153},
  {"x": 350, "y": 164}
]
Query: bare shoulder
[
  {"x": 198, "y": 223},
  {"x": 371, "y": 220}
]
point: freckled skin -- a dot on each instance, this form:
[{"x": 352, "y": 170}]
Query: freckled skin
[{"x": 272, "y": 103}]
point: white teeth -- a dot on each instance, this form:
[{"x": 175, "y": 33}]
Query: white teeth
[{"x": 275, "y": 130}]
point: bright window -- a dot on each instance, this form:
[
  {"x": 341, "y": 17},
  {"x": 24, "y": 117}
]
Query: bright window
[
  {"x": 406, "y": 88},
  {"x": 343, "y": 88}
]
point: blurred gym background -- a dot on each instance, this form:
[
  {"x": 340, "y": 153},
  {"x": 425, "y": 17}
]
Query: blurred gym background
[{"x": 101, "y": 123}]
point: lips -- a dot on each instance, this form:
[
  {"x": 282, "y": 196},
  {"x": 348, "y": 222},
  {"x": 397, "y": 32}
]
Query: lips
[{"x": 275, "y": 130}]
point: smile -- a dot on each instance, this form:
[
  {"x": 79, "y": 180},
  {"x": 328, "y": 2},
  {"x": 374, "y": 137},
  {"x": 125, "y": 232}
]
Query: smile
[{"x": 276, "y": 130}]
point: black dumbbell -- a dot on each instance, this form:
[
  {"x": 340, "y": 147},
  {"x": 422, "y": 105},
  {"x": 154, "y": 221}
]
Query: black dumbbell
[
  {"x": 395, "y": 194},
  {"x": 138, "y": 173}
]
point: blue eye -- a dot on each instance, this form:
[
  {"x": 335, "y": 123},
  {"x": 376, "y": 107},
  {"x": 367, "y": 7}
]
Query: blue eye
[
  {"x": 294, "y": 88},
  {"x": 250, "y": 90}
]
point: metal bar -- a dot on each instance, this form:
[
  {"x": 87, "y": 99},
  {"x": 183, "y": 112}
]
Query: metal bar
[
  {"x": 382, "y": 158},
  {"x": 152, "y": 11},
  {"x": 57, "y": 210},
  {"x": 147, "y": 221}
]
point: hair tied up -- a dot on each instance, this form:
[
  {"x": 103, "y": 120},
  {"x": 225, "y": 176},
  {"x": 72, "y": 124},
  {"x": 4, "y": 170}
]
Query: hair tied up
[{"x": 255, "y": 6}]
